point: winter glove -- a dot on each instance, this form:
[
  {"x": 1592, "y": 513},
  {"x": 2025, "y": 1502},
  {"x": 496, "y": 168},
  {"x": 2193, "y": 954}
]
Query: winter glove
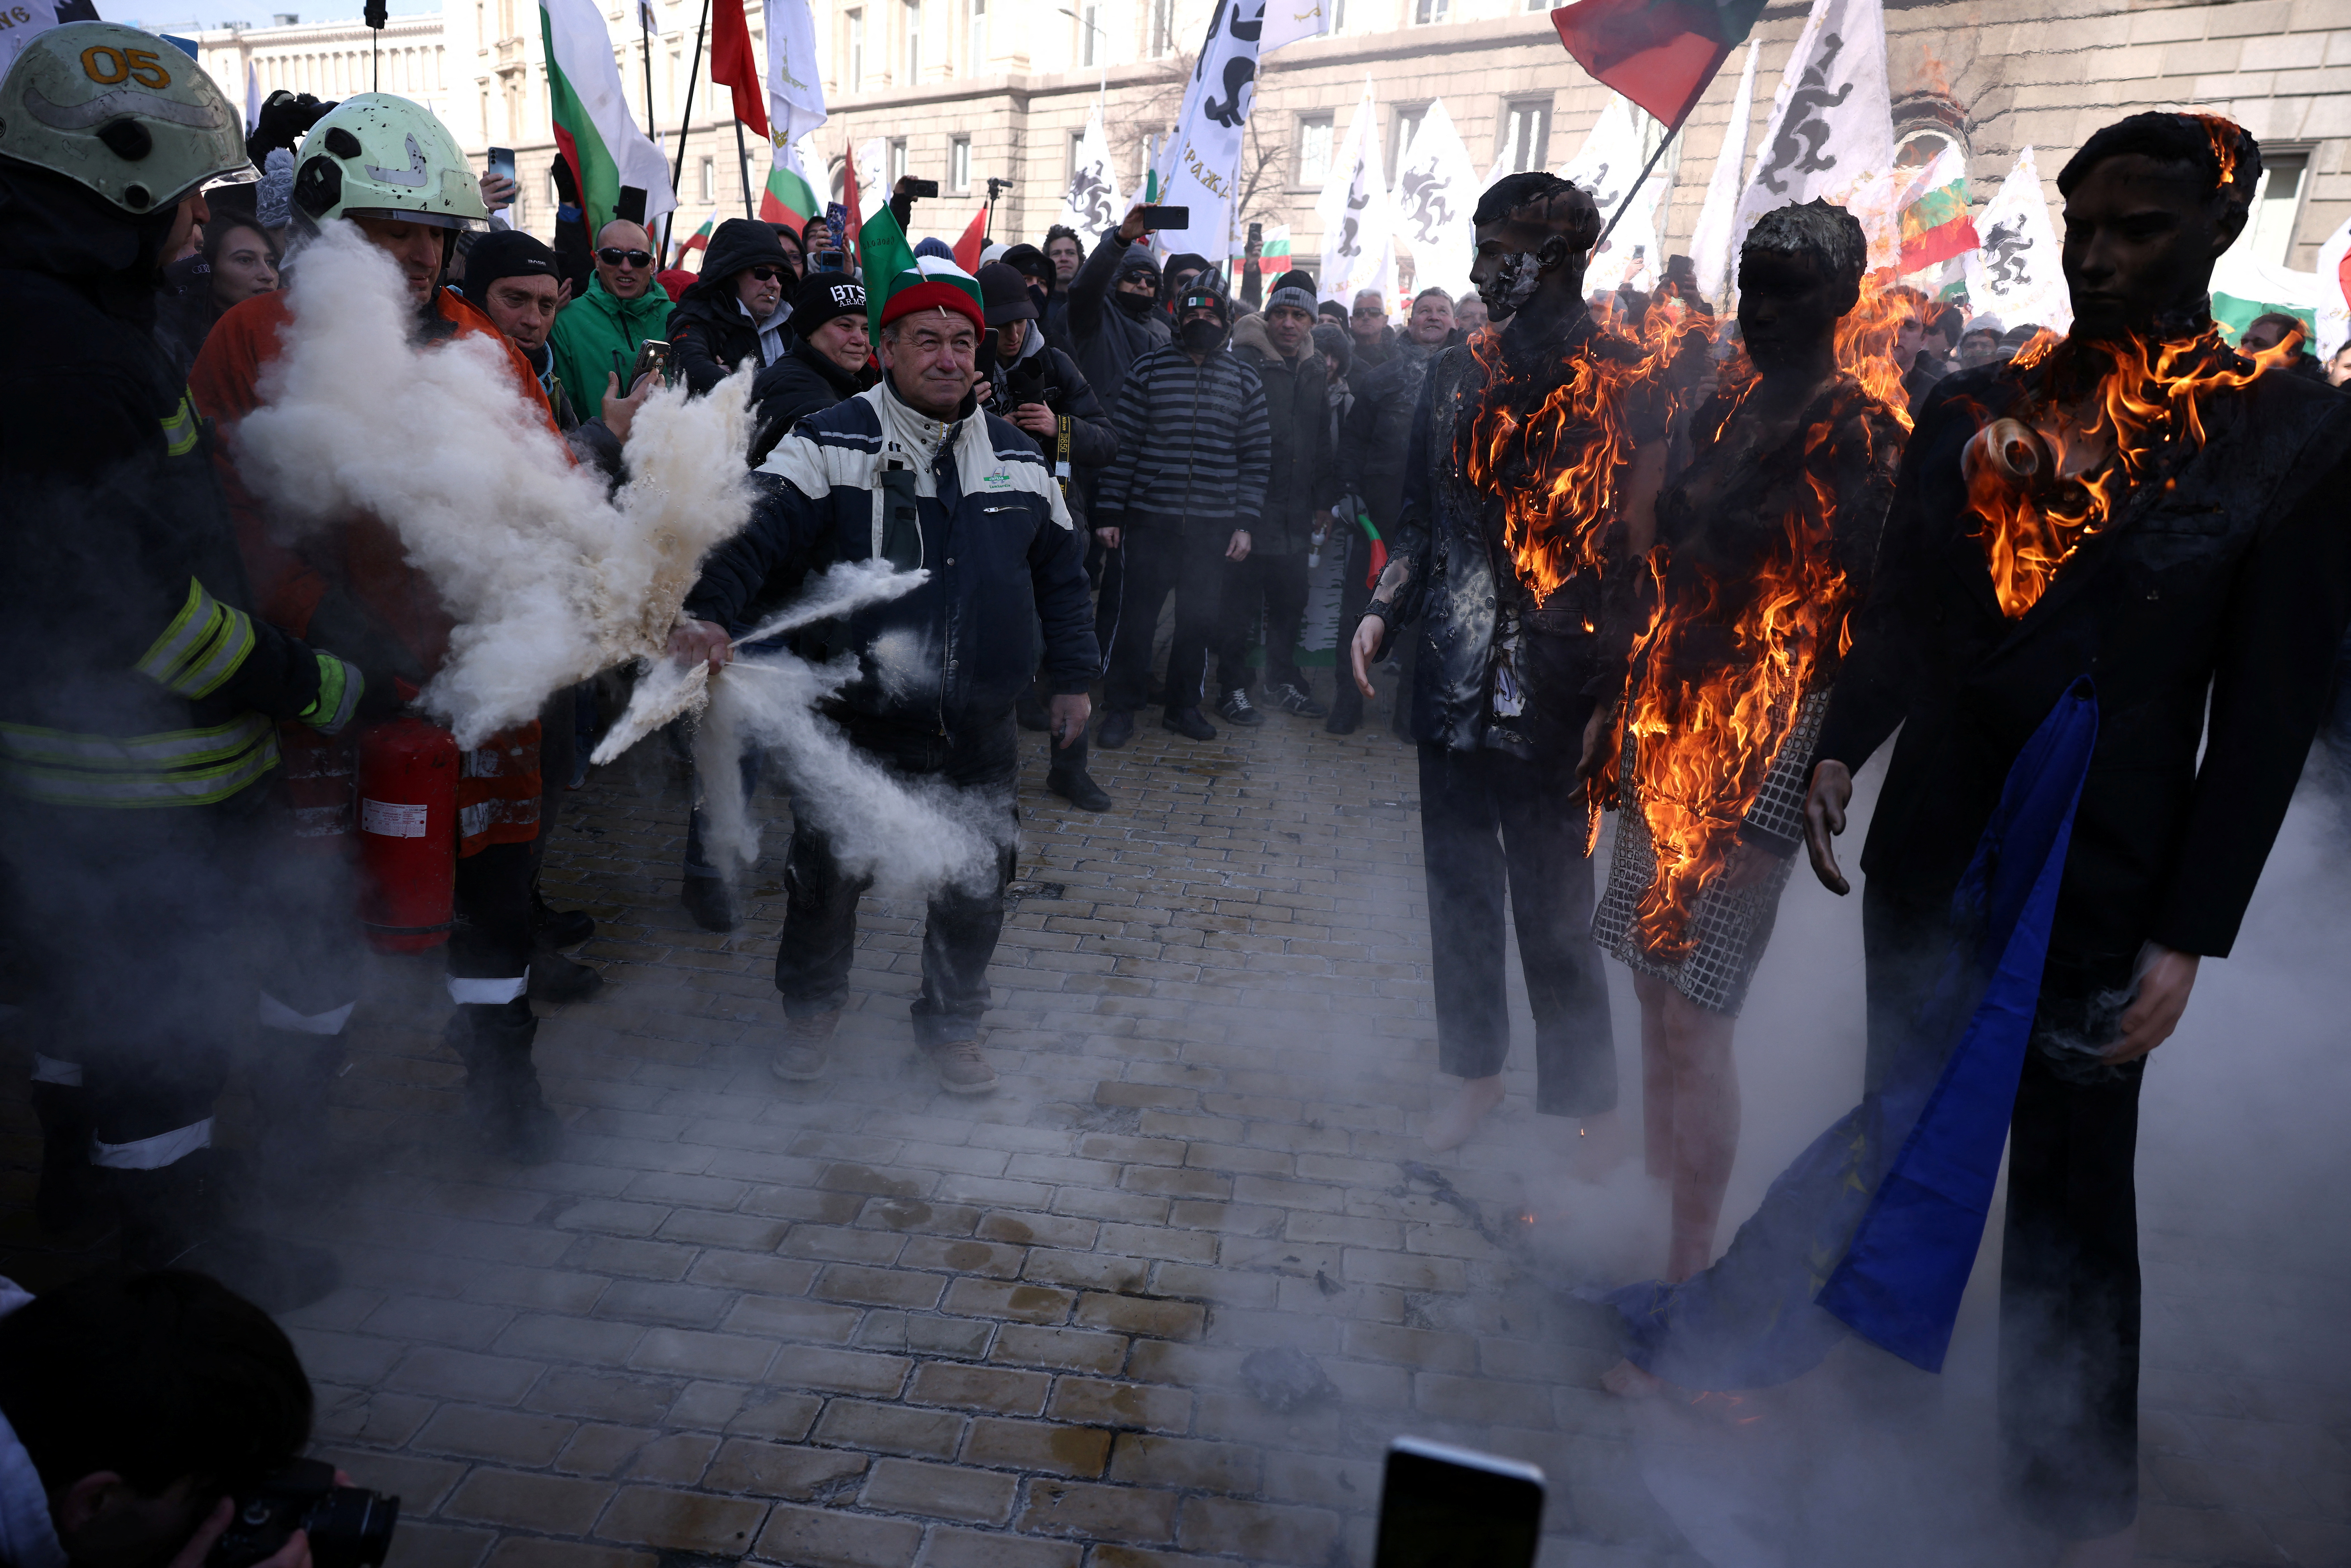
[{"x": 283, "y": 121}]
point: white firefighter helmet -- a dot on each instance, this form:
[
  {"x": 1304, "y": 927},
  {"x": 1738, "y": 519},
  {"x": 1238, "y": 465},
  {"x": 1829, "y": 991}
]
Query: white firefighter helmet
[
  {"x": 374, "y": 155},
  {"x": 120, "y": 113}
]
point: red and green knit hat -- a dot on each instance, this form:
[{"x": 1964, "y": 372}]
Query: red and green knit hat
[{"x": 933, "y": 282}]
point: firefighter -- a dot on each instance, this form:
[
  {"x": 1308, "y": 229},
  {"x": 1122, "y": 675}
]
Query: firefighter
[
  {"x": 146, "y": 830},
  {"x": 387, "y": 167}
]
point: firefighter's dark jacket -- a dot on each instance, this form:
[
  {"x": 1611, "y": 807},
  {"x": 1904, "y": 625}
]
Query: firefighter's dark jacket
[
  {"x": 2227, "y": 577},
  {"x": 969, "y": 500},
  {"x": 138, "y": 675}
]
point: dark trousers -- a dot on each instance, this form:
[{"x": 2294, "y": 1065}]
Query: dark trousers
[
  {"x": 1492, "y": 823},
  {"x": 492, "y": 937},
  {"x": 2069, "y": 1285},
  {"x": 1163, "y": 555},
  {"x": 1275, "y": 584},
  {"x": 820, "y": 934}
]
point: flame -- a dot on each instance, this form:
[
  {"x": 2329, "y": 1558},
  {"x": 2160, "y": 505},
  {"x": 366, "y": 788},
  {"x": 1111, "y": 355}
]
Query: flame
[
  {"x": 1704, "y": 737},
  {"x": 2223, "y": 134},
  {"x": 1555, "y": 443},
  {"x": 1865, "y": 337},
  {"x": 2098, "y": 423}
]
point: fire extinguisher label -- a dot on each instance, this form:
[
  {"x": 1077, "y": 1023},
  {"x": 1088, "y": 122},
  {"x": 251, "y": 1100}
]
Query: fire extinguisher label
[{"x": 393, "y": 819}]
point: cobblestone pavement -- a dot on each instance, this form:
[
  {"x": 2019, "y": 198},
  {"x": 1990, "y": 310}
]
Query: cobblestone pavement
[{"x": 864, "y": 1324}]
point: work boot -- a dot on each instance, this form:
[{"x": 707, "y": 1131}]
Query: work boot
[
  {"x": 961, "y": 1068},
  {"x": 557, "y": 928},
  {"x": 1296, "y": 700},
  {"x": 68, "y": 1203},
  {"x": 1031, "y": 713},
  {"x": 1188, "y": 722},
  {"x": 172, "y": 1219},
  {"x": 711, "y": 903},
  {"x": 1234, "y": 707},
  {"x": 556, "y": 978},
  {"x": 1066, "y": 775},
  {"x": 1117, "y": 729},
  {"x": 800, "y": 1058},
  {"x": 294, "y": 1161},
  {"x": 502, "y": 1094}
]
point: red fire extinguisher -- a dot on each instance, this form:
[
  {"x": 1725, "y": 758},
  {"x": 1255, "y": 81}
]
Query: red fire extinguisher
[{"x": 408, "y": 834}]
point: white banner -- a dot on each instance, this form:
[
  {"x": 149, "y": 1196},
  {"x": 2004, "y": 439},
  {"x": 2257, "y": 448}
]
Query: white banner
[
  {"x": 1606, "y": 166},
  {"x": 1713, "y": 246},
  {"x": 795, "y": 81},
  {"x": 1091, "y": 205},
  {"x": 1197, "y": 169},
  {"x": 1436, "y": 192},
  {"x": 2016, "y": 273},
  {"x": 20, "y": 24},
  {"x": 1832, "y": 129},
  {"x": 1358, "y": 240}
]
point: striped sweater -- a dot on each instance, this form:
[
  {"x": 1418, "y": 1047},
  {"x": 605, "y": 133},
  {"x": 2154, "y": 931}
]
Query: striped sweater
[{"x": 1193, "y": 441}]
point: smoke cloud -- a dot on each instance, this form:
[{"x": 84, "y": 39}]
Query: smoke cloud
[{"x": 548, "y": 579}]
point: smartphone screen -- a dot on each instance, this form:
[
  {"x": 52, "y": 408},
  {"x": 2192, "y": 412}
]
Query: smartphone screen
[
  {"x": 1166, "y": 218},
  {"x": 502, "y": 161},
  {"x": 1443, "y": 1507}
]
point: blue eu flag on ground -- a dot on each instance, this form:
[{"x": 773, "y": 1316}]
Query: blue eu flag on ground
[{"x": 1876, "y": 1226}]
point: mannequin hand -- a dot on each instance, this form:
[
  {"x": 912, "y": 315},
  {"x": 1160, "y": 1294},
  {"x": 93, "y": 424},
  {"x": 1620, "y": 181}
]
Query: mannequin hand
[
  {"x": 1825, "y": 805},
  {"x": 1369, "y": 632},
  {"x": 1238, "y": 548},
  {"x": 1070, "y": 713},
  {"x": 1596, "y": 731},
  {"x": 2163, "y": 990}
]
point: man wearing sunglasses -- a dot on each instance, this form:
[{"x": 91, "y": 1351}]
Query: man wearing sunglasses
[
  {"x": 736, "y": 311},
  {"x": 596, "y": 335},
  {"x": 1368, "y": 323}
]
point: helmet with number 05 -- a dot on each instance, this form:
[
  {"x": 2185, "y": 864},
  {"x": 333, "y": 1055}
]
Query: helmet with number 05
[
  {"x": 121, "y": 113},
  {"x": 376, "y": 155}
]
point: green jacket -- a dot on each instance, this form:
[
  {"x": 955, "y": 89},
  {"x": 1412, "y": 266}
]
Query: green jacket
[{"x": 595, "y": 326}]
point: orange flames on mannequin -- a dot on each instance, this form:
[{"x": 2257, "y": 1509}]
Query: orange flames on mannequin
[
  {"x": 1705, "y": 739},
  {"x": 1866, "y": 337},
  {"x": 2049, "y": 477}
]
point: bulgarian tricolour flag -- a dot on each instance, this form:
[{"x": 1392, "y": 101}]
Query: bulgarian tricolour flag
[
  {"x": 1273, "y": 260},
  {"x": 789, "y": 198},
  {"x": 698, "y": 240},
  {"x": 1934, "y": 223},
  {"x": 1658, "y": 53},
  {"x": 592, "y": 128},
  {"x": 795, "y": 110}
]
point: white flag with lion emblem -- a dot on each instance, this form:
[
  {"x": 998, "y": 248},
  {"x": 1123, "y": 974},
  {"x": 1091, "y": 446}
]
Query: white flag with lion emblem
[
  {"x": 1436, "y": 192},
  {"x": 2016, "y": 273},
  {"x": 1091, "y": 205},
  {"x": 1831, "y": 126}
]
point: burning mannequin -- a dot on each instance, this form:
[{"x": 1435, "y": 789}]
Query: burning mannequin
[
  {"x": 2140, "y": 504},
  {"x": 1529, "y": 450},
  {"x": 1764, "y": 541}
]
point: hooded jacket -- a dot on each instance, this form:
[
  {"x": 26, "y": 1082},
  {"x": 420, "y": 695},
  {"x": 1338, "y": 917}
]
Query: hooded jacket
[
  {"x": 597, "y": 333},
  {"x": 1298, "y": 480},
  {"x": 967, "y": 499},
  {"x": 140, "y": 674},
  {"x": 1107, "y": 340},
  {"x": 711, "y": 332}
]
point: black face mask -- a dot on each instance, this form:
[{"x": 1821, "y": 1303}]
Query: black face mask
[
  {"x": 1138, "y": 305},
  {"x": 1201, "y": 337},
  {"x": 1039, "y": 297}
]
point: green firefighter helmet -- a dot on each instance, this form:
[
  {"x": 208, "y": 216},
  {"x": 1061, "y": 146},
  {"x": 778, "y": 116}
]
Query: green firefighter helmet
[
  {"x": 374, "y": 155},
  {"x": 121, "y": 113}
]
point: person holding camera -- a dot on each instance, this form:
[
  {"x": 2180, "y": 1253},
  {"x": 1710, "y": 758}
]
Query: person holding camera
[
  {"x": 161, "y": 1419},
  {"x": 1038, "y": 389}
]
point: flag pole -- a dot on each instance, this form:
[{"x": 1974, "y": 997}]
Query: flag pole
[
  {"x": 1639, "y": 180},
  {"x": 743, "y": 157},
  {"x": 645, "y": 29},
  {"x": 685, "y": 121}
]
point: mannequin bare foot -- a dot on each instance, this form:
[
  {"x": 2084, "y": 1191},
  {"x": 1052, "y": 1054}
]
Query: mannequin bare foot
[
  {"x": 1601, "y": 1146},
  {"x": 2116, "y": 1550},
  {"x": 1451, "y": 1127},
  {"x": 1629, "y": 1382}
]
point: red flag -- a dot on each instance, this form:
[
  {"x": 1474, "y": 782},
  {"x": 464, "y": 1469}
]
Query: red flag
[
  {"x": 731, "y": 62},
  {"x": 1658, "y": 53},
  {"x": 973, "y": 241}
]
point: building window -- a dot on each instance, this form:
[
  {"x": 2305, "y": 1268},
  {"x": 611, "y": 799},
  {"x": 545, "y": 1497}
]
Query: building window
[
  {"x": 1406, "y": 130},
  {"x": 959, "y": 164},
  {"x": 913, "y": 9},
  {"x": 710, "y": 179},
  {"x": 897, "y": 159},
  {"x": 977, "y": 65},
  {"x": 1428, "y": 13},
  {"x": 1163, "y": 28},
  {"x": 1313, "y": 149},
  {"x": 856, "y": 51},
  {"x": 2270, "y": 229},
  {"x": 1090, "y": 29},
  {"x": 1526, "y": 135}
]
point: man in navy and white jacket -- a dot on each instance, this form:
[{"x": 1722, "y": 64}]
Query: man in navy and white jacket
[{"x": 911, "y": 471}]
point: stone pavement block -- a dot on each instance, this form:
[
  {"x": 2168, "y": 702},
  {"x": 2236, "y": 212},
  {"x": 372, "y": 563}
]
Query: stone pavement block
[
  {"x": 785, "y": 1417},
  {"x": 634, "y": 1401},
  {"x": 1093, "y": 1270},
  {"x": 556, "y": 1504},
  {"x": 702, "y": 1354},
  {"x": 421, "y": 1543},
  {"x": 1036, "y": 1446},
  {"x": 878, "y": 1287},
  {"x": 1262, "y": 1531},
  {"x": 998, "y": 1390},
  {"x": 461, "y": 1374},
  {"x": 1095, "y": 1402},
  {"x": 980, "y": 1549},
  {"x": 841, "y": 1371},
  {"x": 998, "y": 1298},
  {"x": 354, "y": 1414},
  {"x": 1059, "y": 1349},
  {"x": 528, "y": 1551},
  {"x": 781, "y": 1317},
  {"x": 681, "y": 1520},
  {"x": 677, "y": 1457},
  {"x": 1142, "y": 1315},
  {"x": 461, "y": 1323},
  {"x": 890, "y": 1429},
  {"x": 480, "y": 1433},
  {"x": 941, "y": 1491},
  {"x": 987, "y": 1260},
  {"x": 1092, "y": 1512},
  {"x": 563, "y": 1339},
  {"x": 596, "y": 1449},
  {"x": 1185, "y": 1463},
  {"x": 825, "y": 1538},
  {"x": 745, "y": 1466}
]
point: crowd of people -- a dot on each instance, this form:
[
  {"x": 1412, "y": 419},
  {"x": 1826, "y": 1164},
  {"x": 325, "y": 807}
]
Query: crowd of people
[{"x": 1609, "y": 553}]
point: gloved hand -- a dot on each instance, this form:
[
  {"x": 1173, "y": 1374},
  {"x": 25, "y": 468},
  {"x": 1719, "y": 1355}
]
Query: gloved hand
[{"x": 283, "y": 121}]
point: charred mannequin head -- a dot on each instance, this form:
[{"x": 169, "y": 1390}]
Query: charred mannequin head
[
  {"x": 1534, "y": 232},
  {"x": 2150, "y": 203},
  {"x": 1799, "y": 271}
]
